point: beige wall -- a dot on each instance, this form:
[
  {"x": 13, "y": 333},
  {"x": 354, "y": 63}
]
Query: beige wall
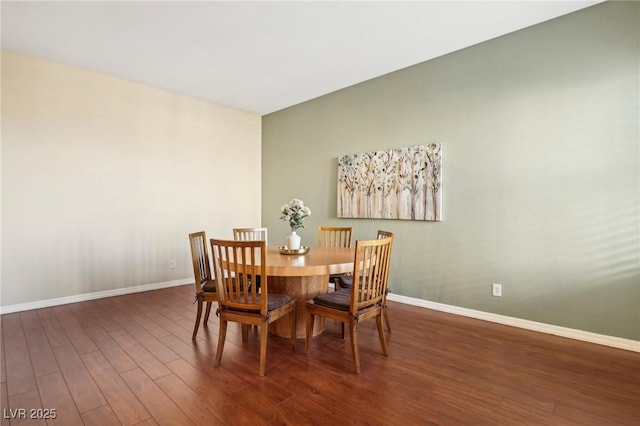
[
  {"x": 102, "y": 180},
  {"x": 540, "y": 134}
]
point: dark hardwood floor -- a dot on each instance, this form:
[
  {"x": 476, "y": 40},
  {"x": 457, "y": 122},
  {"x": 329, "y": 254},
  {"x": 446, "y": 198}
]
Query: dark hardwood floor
[{"x": 130, "y": 360}]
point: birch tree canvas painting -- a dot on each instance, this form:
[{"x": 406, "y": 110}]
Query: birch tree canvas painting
[{"x": 403, "y": 183}]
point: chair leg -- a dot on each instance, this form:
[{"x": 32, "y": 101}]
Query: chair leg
[
  {"x": 383, "y": 341},
  {"x": 385, "y": 312},
  {"x": 222, "y": 335},
  {"x": 198, "y": 315},
  {"x": 264, "y": 332},
  {"x": 338, "y": 287},
  {"x": 207, "y": 312},
  {"x": 292, "y": 321},
  {"x": 307, "y": 343},
  {"x": 353, "y": 327},
  {"x": 245, "y": 332}
]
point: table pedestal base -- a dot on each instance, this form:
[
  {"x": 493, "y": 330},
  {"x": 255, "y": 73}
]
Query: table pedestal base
[{"x": 301, "y": 289}]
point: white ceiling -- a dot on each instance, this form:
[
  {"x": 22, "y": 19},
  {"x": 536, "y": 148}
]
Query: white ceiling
[{"x": 259, "y": 56}]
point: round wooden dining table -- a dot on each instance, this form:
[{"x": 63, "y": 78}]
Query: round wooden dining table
[{"x": 303, "y": 277}]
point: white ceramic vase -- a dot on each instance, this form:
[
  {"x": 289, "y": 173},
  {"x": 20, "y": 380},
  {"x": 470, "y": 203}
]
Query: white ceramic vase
[{"x": 293, "y": 241}]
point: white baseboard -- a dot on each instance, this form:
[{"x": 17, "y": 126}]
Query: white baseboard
[
  {"x": 90, "y": 296},
  {"x": 616, "y": 342}
]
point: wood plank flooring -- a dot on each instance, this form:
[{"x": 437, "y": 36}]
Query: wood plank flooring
[{"x": 129, "y": 360}]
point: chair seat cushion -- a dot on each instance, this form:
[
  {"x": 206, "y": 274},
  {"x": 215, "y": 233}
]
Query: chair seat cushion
[
  {"x": 276, "y": 300},
  {"x": 273, "y": 302},
  {"x": 336, "y": 299},
  {"x": 346, "y": 281}
]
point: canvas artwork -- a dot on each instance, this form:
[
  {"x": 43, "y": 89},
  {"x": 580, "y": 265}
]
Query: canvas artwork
[{"x": 401, "y": 183}]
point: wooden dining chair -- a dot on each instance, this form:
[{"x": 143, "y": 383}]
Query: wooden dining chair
[
  {"x": 205, "y": 285},
  {"x": 233, "y": 263},
  {"x": 334, "y": 236},
  {"x": 250, "y": 234},
  {"x": 346, "y": 281},
  {"x": 363, "y": 301}
]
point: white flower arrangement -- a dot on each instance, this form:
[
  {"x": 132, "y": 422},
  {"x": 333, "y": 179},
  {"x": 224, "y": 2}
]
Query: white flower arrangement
[{"x": 294, "y": 212}]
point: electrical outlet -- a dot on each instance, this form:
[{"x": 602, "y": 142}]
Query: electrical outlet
[
  {"x": 496, "y": 290},
  {"x": 172, "y": 264}
]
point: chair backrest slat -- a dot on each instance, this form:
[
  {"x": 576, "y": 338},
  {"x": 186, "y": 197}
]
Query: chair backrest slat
[
  {"x": 334, "y": 236},
  {"x": 200, "y": 259},
  {"x": 384, "y": 234},
  {"x": 250, "y": 234}
]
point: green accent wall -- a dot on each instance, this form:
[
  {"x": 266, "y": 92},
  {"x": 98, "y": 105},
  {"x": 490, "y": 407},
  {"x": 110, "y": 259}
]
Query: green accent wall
[{"x": 541, "y": 170}]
